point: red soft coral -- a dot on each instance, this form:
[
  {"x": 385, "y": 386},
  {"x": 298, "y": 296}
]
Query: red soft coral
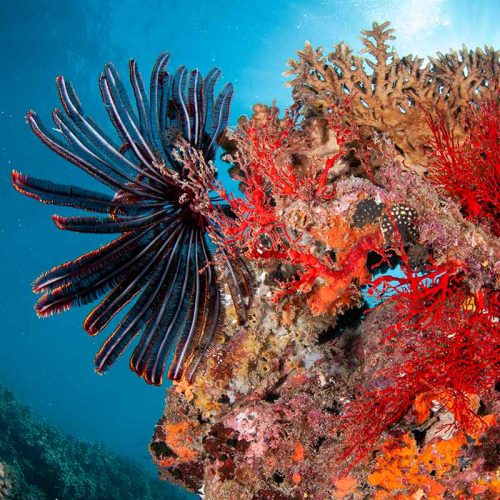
[
  {"x": 469, "y": 170},
  {"x": 444, "y": 340}
]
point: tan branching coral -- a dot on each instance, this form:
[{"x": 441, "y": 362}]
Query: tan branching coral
[{"x": 389, "y": 91}]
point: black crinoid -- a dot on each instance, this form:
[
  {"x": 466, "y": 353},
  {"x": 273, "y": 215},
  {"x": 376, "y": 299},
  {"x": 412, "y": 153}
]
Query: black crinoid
[{"x": 164, "y": 267}]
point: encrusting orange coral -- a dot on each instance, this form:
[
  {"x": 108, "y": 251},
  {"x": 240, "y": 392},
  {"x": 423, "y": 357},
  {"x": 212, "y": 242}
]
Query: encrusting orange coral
[{"x": 402, "y": 470}]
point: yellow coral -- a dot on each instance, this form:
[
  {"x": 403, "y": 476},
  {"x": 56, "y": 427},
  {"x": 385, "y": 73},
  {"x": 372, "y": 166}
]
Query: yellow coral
[
  {"x": 403, "y": 468},
  {"x": 404, "y": 471},
  {"x": 183, "y": 386}
]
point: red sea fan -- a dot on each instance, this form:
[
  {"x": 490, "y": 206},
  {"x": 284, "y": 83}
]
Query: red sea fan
[
  {"x": 469, "y": 170},
  {"x": 160, "y": 175},
  {"x": 266, "y": 147},
  {"x": 443, "y": 341}
]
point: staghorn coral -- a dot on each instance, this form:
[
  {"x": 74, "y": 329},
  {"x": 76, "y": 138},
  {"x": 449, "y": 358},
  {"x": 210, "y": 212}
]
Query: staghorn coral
[{"x": 388, "y": 92}]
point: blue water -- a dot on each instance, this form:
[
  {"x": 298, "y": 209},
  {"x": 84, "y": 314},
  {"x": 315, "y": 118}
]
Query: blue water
[{"x": 49, "y": 362}]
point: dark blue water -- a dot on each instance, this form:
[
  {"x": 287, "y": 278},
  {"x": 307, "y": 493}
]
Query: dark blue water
[{"x": 49, "y": 363}]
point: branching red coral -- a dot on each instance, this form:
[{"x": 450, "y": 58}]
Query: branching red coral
[
  {"x": 269, "y": 183},
  {"x": 443, "y": 340},
  {"x": 419, "y": 295},
  {"x": 469, "y": 170}
]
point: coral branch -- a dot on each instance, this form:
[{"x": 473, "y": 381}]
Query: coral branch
[
  {"x": 469, "y": 170},
  {"x": 390, "y": 88}
]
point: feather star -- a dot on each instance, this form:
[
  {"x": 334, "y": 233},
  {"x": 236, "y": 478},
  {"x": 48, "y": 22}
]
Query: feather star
[{"x": 163, "y": 265}]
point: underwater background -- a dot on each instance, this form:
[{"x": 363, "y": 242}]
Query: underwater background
[{"x": 48, "y": 363}]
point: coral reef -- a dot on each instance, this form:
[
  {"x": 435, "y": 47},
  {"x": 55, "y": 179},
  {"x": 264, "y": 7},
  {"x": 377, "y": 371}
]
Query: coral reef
[
  {"x": 39, "y": 462},
  {"x": 333, "y": 332},
  {"x": 369, "y": 363}
]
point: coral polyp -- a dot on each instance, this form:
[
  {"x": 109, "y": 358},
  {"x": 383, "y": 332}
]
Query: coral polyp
[{"x": 160, "y": 175}]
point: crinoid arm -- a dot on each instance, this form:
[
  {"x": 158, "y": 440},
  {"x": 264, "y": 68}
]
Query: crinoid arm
[{"x": 160, "y": 268}]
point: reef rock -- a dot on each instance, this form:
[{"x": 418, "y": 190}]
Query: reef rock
[{"x": 6, "y": 488}]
